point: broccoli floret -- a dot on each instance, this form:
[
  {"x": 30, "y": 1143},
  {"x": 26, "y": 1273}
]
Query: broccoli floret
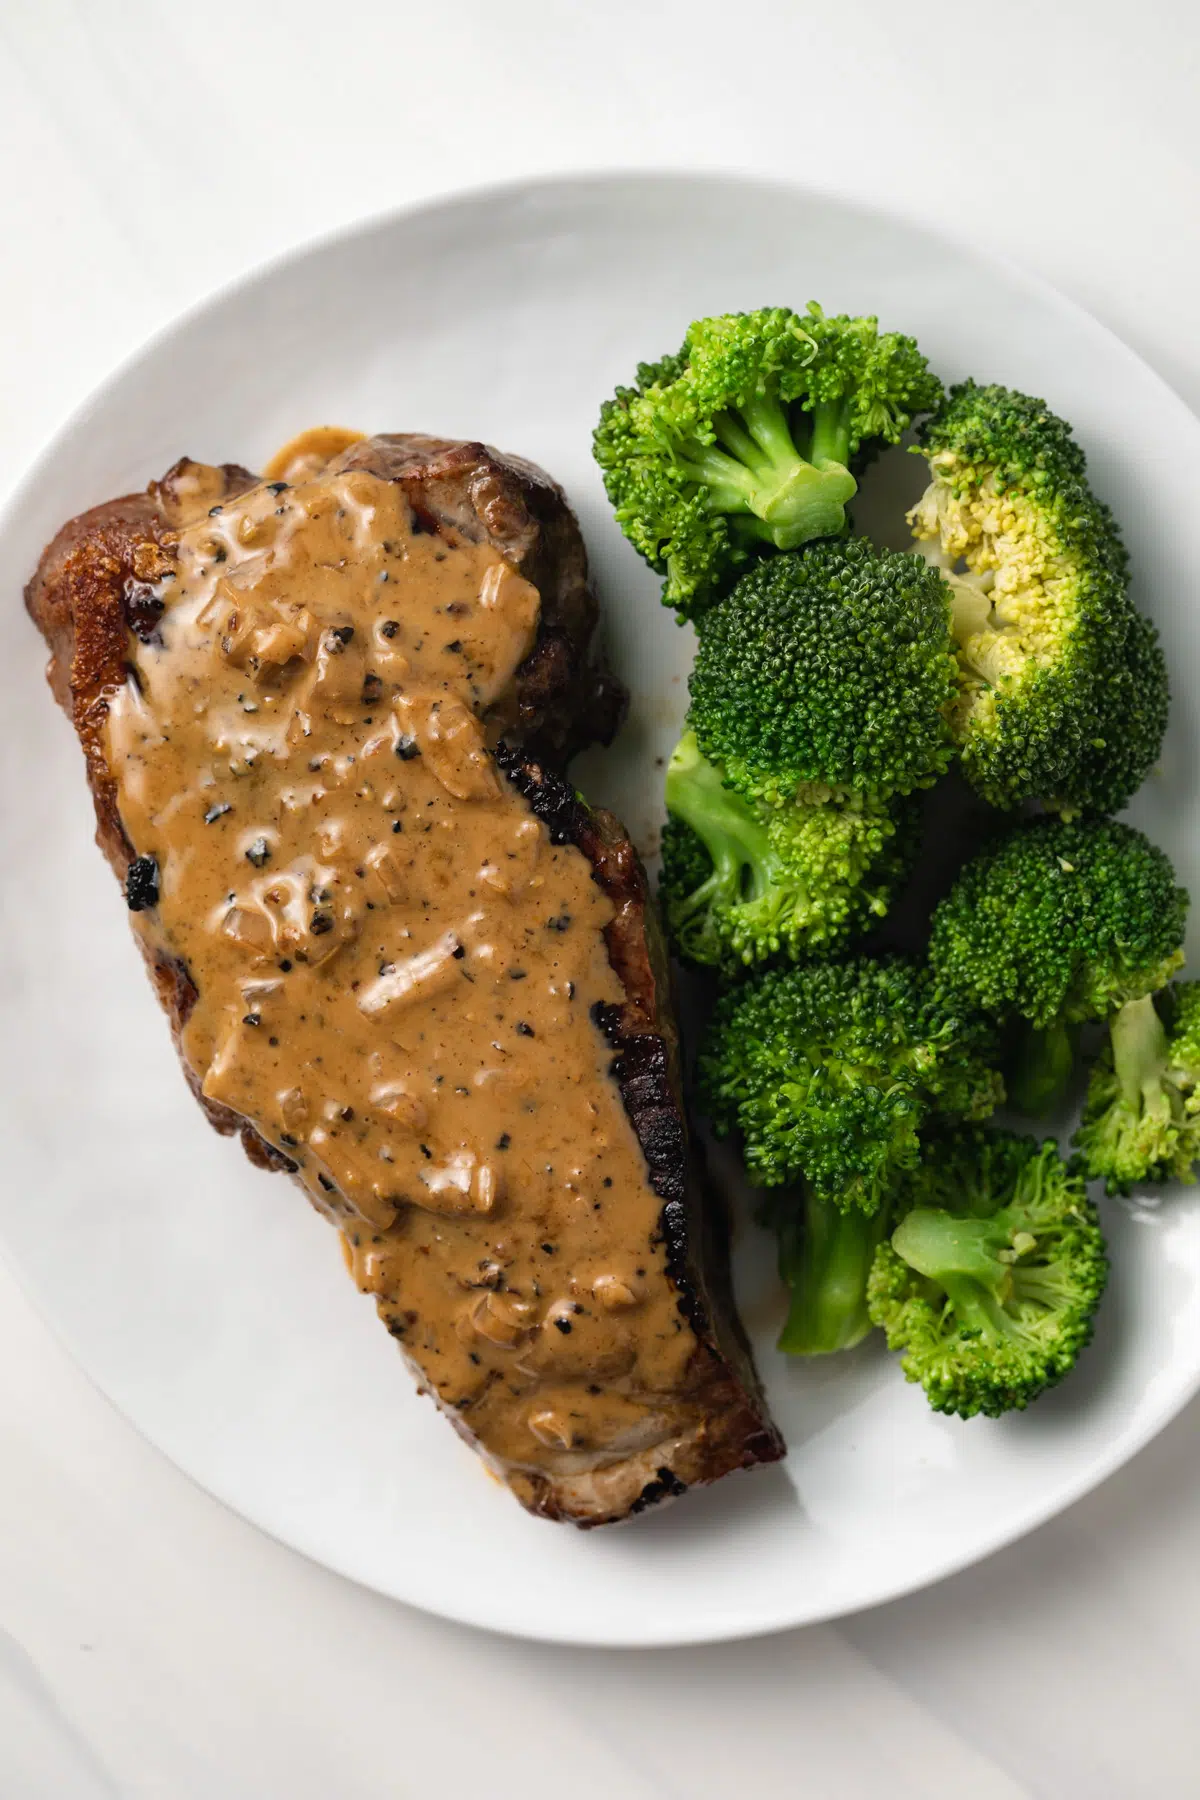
[
  {"x": 743, "y": 881},
  {"x": 686, "y": 867},
  {"x": 1141, "y": 1119},
  {"x": 825, "y": 1258},
  {"x": 1064, "y": 691},
  {"x": 829, "y": 670},
  {"x": 990, "y": 1283},
  {"x": 1056, "y": 923},
  {"x": 743, "y": 440},
  {"x": 1134, "y": 703},
  {"x": 829, "y": 1070},
  {"x": 819, "y": 692}
]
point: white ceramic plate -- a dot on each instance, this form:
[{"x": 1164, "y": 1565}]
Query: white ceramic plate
[{"x": 205, "y": 1298}]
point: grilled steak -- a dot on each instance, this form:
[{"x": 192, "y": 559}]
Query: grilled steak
[{"x": 323, "y": 718}]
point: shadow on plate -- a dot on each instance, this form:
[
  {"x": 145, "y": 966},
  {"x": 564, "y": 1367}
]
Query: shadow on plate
[{"x": 736, "y": 1503}]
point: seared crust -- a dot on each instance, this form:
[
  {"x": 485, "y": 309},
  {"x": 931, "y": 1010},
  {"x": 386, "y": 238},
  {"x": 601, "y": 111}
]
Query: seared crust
[
  {"x": 92, "y": 588},
  {"x": 737, "y": 1432},
  {"x": 84, "y": 600}
]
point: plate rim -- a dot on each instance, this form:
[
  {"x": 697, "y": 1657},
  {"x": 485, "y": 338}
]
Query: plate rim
[{"x": 561, "y": 183}]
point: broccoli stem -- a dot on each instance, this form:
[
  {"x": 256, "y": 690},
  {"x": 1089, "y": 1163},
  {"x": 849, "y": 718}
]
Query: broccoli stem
[
  {"x": 960, "y": 1255},
  {"x": 944, "y": 1245},
  {"x": 1041, "y": 1067},
  {"x": 831, "y": 433},
  {"x": 825, "y": 1259},
  {"x": 978, "y": 1308},
  {"x": 1139, "y": 1044},
  {"x": 767, "y": 424},
  {"x": 735, "y": 840},
  {"x": 736, "y": 438},
  {"x": 756, "y": 471}
]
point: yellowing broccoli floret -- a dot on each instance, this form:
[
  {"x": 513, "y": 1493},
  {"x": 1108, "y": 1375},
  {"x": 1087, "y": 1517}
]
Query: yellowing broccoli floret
[{"x": 1063, "y": 693}]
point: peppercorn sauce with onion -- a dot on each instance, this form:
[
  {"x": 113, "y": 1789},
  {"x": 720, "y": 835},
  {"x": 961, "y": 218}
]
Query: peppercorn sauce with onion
[{"x": 395, "y": 968}]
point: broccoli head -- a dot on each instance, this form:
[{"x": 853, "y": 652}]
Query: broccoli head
[
  {"x": 1063, "y": 692},
  {"x": 830, "y": 670},
  {"x": 990, "y": 1283},
  {"x": 829, "y": 1070},
  {"x": 743, "y": 881},
  {"x": 1056, "y": 923},
  {"x": 1141, "y": 1118},
  {"x": 819, "y": 693},
  {"x": 743, "y": 440}
]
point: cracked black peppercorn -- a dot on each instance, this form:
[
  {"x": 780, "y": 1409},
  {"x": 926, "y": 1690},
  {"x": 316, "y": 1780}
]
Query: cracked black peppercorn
[
  {"x": 259, "y": 852},
  {"x": 141, "y": 884},
  {"x": 143, "y": 609}
]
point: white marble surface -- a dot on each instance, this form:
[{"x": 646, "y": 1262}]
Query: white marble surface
[{"x": 151, "y": 1645}]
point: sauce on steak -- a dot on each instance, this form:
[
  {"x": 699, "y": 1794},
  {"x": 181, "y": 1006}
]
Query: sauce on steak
[{"x": 400, "y": 975}]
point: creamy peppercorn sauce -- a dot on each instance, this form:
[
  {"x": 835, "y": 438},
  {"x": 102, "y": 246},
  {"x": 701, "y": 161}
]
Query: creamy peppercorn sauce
[{"x": 395, "y": 967}]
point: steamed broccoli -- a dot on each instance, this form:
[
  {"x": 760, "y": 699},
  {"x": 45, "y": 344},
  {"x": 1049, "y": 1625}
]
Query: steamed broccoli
[
  {"x": 825, "y": 1258},
  {"x": 830, "y": 667},
  {"x": 1057, "y": 923},
  {"x": 828, "y": 1070},
  {"x": 992, "y": 1277},
  {"x": 1064, "y": 690},
  {"x": 744, "y": 439},
  {"x": 819, "y": 692},
  {"x": 743, "y": 882},
  {"x": 1141, "y": 1119}
]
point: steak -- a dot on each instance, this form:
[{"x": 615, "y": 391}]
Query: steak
[{"x": 325, "y": 721}]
